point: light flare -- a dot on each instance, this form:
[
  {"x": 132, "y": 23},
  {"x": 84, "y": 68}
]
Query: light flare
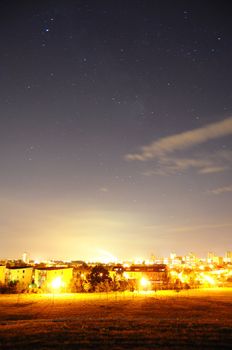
[{"x": 56, "y": 283}]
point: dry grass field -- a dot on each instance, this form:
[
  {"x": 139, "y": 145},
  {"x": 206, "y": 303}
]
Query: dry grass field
[{"x": 200, "y": 319}]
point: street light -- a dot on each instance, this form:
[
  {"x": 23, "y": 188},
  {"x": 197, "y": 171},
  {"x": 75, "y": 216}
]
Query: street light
[
  {"x": 144, "y": 282},
  {"x": 56, "y": 283}
]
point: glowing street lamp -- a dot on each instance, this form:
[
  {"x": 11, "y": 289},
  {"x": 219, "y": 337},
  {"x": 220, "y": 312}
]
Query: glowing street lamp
[
  {"x": 144, "y": 282},
  {"x": 56, "y": 283},
  {"x": 209, "y": 280}
]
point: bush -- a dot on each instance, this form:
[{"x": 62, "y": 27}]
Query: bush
[{"x": 10, "y": 288}]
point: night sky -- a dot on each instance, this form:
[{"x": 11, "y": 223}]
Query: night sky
[{"x": 116, "y": 124}]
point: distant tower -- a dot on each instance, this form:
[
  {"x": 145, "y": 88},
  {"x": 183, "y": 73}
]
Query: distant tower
[
  {"x": 210, "y": 257},
  {"x": 228, "y": 256},
  {"x": 25, "y": 258},
  {"x": 153, "y": 258},
  {"x": 172, "y": 256}
]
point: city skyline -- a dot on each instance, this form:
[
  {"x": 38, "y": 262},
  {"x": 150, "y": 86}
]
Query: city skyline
[
  {"x": 116, "y": 124},
  {"x": 107, "y": 258}
]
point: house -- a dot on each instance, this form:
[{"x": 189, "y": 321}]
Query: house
[
  {"x": 20, "y": 274},
  {"x": 53, "y": 279},
  {"x": 2, "y": 274},
  {"x": 147, "y": 276}
]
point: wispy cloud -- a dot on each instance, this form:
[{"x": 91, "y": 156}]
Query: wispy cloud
[
  {"x": 221, "y": 190},
  {"x": 182, "y": 141},
  {"x": 200, "y": 227},
  {"x": 189, "y": 228},
  {"x": 212, "y": 170},
  {"x": 203, "y": 164},
  {"x": 104, "y": 189}
]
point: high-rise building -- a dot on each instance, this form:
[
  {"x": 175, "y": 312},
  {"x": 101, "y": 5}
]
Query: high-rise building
[
  {"x": 228, "y": 256},
  {"x": 172, "y": 256},
  {"x": 210, "y": 257},
  {"x": 25, "y": 258}
]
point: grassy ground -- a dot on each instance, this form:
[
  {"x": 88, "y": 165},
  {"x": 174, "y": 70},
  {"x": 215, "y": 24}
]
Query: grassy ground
[{"x": 200, "y": 319}]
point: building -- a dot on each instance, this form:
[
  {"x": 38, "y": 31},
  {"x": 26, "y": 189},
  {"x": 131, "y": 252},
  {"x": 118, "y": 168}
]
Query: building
[
  {"x": 21, "y": 275},
  {"x": 2, "y": 274},
  {"x": 53, "y": 279},
  {"x": 147, "y": 277},
  {"x": 191, "y": 259},
  {"x": 210, "y": 257},
  {"x": 228, "y": 257},
  {"x": 218, "y": 260},
  {"x": 25, "y": 258}
]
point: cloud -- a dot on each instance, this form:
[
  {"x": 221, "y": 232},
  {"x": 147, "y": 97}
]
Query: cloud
[
  {"x": 204, "y": 163},
  {"x": 182, "y": 141},
  {"x": 200, "y": 227},
  {"x": 189, "y": 228},
  {"x": 212, "y": 170},
  {"x": 221, "y": 190},
  {"x": 104, "y": 189}
]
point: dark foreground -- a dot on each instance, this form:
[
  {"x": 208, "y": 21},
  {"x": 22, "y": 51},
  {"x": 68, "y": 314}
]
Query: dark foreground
[{"x": 164, "y": 320}]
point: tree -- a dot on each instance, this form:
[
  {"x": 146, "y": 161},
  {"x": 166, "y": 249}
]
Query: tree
[{"x": 99, "y": 275}]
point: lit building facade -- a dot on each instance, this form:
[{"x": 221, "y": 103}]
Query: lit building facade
[
  {"x": 2, "y": 274},
  {"x": 21, "y": 275},
  {"x": 155, "y": 275},
  {"x": 53, "y": 278}
]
